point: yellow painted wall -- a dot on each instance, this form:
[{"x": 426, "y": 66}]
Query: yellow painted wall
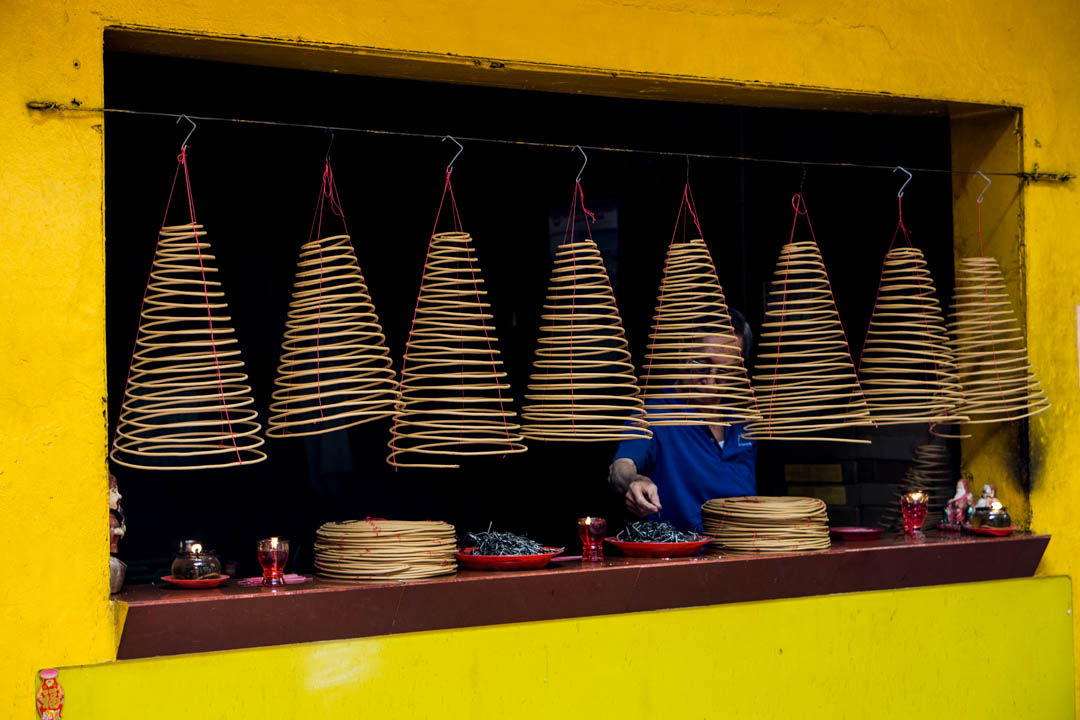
[
  {"x": 54, "y": 607},
  {"x": 841, "y": 656}
]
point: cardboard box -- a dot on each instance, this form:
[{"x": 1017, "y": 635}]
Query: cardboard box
[{"x": 831, "y": 494}]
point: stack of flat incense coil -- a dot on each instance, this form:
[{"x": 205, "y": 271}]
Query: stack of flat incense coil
[
  {"x": 384, "y": 550},
  {"x": 996, "y": 379},
  {"x": 582, "y": 387},
  {"x": 759, "y": 524},
  {"x": 804, "y": 379},
  {"x": 907, "y": 370},
  {"x": 187, "y": 404},
  {"x": 335, "y": 369},
  {"x": 454, "y": 394},
  {"x": 692, "y": 364}
]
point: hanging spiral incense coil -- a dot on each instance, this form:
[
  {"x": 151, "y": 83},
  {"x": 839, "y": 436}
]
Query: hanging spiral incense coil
[
  {"x": 187, "y": 404},
  {"x": 335, "y": 370},
  {"x": 996, "y": 378},
  {"x": 454, "y": 394},
  {"x": 693, "y": 367},
  {"x": 804, "y": 379},
  {"x": 582, "y": 387},
  {"x": 908, "y": 371}
]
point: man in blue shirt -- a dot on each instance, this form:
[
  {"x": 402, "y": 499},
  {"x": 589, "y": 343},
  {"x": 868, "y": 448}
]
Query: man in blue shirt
[{"x": 686, "y": 465}]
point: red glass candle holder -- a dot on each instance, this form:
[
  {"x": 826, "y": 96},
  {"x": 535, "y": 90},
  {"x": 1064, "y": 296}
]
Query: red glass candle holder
[
  {"x": 591, "y": 530},
  {"x": 913, "y": 511},
  {"x": 273, "y": 553}
]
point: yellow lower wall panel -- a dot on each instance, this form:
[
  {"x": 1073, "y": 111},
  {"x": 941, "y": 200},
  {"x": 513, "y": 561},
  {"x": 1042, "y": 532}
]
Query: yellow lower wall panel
[{"x": 946, "y": 651}]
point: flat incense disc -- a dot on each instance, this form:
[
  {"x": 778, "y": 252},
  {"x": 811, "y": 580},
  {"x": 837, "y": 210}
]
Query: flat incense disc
[
  {"x": 376, "y": 550},
  {"x": 760, "y": 524}
]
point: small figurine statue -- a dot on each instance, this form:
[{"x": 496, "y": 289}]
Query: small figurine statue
[
  {"x": 956, "y": 510},
  {"x": 117, "y": 530},
  {"x": 988, "y": 496},
  {"x": 50, "y": 697}
]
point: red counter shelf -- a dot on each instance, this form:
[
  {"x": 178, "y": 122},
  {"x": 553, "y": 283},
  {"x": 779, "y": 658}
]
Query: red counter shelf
[{"x": 166, "y": 621}]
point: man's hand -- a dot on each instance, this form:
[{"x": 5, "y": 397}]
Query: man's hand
[
  {"x": 639, "y": 492},
  {"x": 642, "y": 497}
]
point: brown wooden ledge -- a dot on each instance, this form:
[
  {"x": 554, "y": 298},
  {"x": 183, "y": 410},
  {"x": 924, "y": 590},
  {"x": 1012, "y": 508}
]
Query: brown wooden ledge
[{"x": 167, "y": 621}]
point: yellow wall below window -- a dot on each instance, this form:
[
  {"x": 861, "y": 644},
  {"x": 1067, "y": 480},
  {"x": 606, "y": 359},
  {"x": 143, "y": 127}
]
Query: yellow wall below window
[
  {"x": 54, "y": 606},
  {"x": 1000, "y": 649}
]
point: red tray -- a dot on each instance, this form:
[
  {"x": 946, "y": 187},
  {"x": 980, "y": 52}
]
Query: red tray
[
  {"x": 200, "y": 583},
  {"x": 852, "y": 532},
  {"x": 997, "y": 532},
  {"x": 506, "y": 562},
  {"x": 658, "y": 549}
]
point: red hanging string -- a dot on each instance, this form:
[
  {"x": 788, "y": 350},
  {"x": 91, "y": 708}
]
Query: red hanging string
[
  {"x": 206, "y": 298},
  {"x": 146, "y": 290}
]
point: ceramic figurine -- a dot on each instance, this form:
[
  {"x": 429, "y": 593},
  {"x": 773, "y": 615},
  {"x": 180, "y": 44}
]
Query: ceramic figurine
[
  {"x": 117, "y": 530},
  {"x": 987, "y": 499},
  {"x": 50, "y": 697},
  {"x": 956, "y": 510}
]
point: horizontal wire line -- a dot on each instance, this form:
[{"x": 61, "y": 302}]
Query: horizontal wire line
[{"x": 523, "y": 143}]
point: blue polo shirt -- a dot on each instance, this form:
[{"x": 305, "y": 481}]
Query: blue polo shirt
[{"x": 689, "y": 467}]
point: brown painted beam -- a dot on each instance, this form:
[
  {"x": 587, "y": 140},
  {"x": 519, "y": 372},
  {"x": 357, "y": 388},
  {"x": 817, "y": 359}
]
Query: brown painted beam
[{"x": 166, "y": 621}]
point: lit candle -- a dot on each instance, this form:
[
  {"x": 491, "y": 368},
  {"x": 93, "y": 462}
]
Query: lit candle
[
  {"x": 591, "y": 531},
  {"x": 913, "y": 507},
  {"x": 196, "y": 548}
]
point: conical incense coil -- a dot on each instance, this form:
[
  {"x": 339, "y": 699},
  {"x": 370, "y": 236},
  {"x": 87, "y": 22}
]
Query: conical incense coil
[
  {"x": 804, "y": 379},
  {"x": 692, "y": 363},
  {"x": 187, "y": 404},
  {"x": 454, "y": 394},
  {"x": 996, "y": 379},
  {"x": 335, "y": 369},
  {"x": 907, "y": 370},
  {"x": 582, "y": 387}
]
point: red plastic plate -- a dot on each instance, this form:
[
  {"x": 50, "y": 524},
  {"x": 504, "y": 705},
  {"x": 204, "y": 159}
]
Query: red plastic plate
[
  {"x": 851, "y": 532},
  {"x": 505, "y": 562},
  {"x": 660, "y": 550},
  {"x": 997, "y": 532},
  {"x": 200, "y": 583}
]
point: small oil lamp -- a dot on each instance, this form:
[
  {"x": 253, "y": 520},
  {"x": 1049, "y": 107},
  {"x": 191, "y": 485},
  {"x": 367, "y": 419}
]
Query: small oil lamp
[
  {"x": 591, "y": 531},
  {"x": 194, "y": 563},
  {"x": 272, "y": 554},
  {"x": 913, "y": 507},
  {"x": 998, "y": 517}
]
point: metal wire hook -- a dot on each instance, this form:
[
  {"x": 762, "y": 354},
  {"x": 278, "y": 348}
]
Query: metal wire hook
[
  {"x": 988, "y": 184},
  {"x": 450, "y": 167},
  {"x": 582, "y": 170},
  {"x": 909, "y": 176},
  {"x": 330, "y": 145},
  {"x": 185, "y": 117}
]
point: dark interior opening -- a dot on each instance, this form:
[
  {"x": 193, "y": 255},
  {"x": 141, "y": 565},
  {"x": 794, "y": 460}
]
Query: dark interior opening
[{"x": 255, "y": 188}]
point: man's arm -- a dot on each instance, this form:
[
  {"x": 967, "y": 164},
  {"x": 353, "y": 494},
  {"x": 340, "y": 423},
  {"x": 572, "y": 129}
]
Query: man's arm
[{"x": 639, "y": 492}]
